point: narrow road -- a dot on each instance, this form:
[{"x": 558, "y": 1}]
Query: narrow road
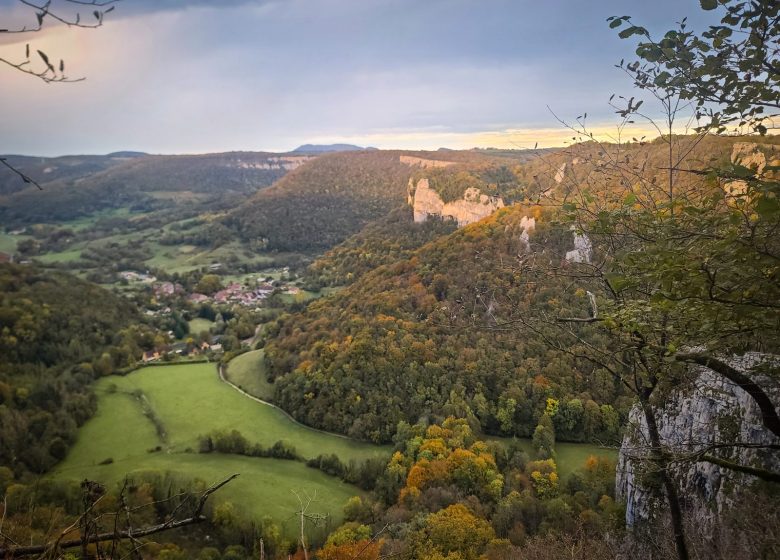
[{"x": 224, "y": 379}]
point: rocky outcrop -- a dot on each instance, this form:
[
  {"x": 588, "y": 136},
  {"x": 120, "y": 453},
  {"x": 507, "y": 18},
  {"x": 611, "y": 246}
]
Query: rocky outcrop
[
  {"x": 527, "y": 225},
  {"x": 750, "y": 154},
  {"x": 287, "y": 163},
  {"x": 412, "y": 161},
  {"x": 708, "y": 410},
  {"x": 560, "y": 173},
  {"x": 471, "y": 208},
  {"x": 753, "y": 156},
  {"x": 583, "y": 249}
]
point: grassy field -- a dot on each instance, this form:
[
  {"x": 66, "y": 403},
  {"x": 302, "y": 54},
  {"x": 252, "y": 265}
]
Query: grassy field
[
  {"x": 86, "y": 222},
  {"x": 572, "y": 456},
  {"x": 569, "y": 456},
  {"x": 248, "y": 372},
  {"x": 264, "y": 487},
  {"x": 199, "y": 325},
  {"x": 70, "y": 255},
  {"x": 189, "y": 400},
  {"x": 9, "y": 242},
  {"x": 187, "y": 257}
]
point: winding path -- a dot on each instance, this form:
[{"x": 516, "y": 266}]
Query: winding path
[{"x": 224, "y": 379}]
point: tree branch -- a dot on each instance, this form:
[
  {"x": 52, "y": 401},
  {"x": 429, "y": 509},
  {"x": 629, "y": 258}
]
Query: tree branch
[
  {"x": 197, "y": 517},
  {"x": 24, "y": 177},
  {"x": 763, "y": 474},
  {"x": 769, "y": 417}
]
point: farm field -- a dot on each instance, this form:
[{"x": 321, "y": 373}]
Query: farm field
[
  {"x": 69, "y": 256},
  {"x": 172, "y": 258},
  {"x": 86, "y": 222},
  {"x": 183, "y": 258},
  {"x": 247, "y": 371}
]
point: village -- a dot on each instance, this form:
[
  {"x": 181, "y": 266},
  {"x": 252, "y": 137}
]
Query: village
[
  {"x": 250, "y": 294},
  {"x": 171, "y": 301}
]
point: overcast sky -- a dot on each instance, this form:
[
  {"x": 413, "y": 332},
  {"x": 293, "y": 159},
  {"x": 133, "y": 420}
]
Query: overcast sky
[{"x": 168, "y": 76}]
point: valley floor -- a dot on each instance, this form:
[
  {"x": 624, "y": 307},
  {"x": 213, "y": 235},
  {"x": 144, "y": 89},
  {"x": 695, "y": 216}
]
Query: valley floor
[
  {"x": 187, "y": 401},
  {"x": 169, "y": 407}
]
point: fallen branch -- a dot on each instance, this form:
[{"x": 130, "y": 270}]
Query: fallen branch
[{"x": 197, "y": 517}]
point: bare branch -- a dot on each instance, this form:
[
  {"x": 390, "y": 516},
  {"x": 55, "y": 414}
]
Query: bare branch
[
  {"x": 24, "y": 177},
  {"x": 129, "y": 533}
]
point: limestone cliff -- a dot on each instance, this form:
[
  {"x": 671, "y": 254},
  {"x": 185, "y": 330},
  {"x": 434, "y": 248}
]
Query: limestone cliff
[
  {"x": 560, "y": 173},
  {"x": 583, "y": 249},
  {"x": 753, "y": 156},
  {"x": 413, "y": 161},
  {"x": 277, "y": 162},
  {"x": 708, "y": 410},
  {"x": 471, "y": 208}
]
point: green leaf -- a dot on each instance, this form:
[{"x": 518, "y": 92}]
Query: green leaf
[
  {"x": 633, "y": 30},
  {"x": 662, "y": 78},
  {"x": 617, "y": 281},
  {"x": 766, "y": 206},
  {"x": 708, "y": 4}
]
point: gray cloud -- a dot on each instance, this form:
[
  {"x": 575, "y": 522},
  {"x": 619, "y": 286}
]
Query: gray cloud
[{"x": 175, "y": 76}]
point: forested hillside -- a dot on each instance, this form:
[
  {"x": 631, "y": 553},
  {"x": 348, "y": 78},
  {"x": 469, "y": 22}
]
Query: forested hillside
[
  {"x": 57, "y": 334},
  {"x": 384, "y": 350},
  {"x": 143, "y": 183},
  {"x": 44, "y": 170},
  {"x": 324, "y": 201},
  {"x": 440, "y": 330},
  {"x": 385, "y": 241}
]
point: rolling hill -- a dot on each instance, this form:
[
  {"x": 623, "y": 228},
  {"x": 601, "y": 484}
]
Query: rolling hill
[
  {"x": 323, "y": 202},
  {"x": 416, "y": 337},
  {"x": 80, "y": 186}
]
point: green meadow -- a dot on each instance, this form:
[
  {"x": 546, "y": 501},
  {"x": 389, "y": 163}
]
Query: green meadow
[
  {"x": 199, "y": 325},
  {"x": 8, "y": 242},
  {"x": 264, "y": 487},
  {"x": 184, "y": 258},
  {"x": 189, "y": 400},
  {"x": 247, "y": 371}
]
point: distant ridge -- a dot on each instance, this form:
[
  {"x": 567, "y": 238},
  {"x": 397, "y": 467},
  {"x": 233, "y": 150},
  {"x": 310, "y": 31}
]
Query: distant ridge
[
  {"x": 127, "y": 154},
  {"x": 320, "y": 148}
]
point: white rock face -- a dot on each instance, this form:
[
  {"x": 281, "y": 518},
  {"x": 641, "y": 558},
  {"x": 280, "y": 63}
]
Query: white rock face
[
  {"x": 753, "y": 156},
  {"x": 712, "y": 409},
  {"x": 278, "y": 162},
  {"x": 561, "y": 173},
  {"x": 583, "y": 249},
  {"x": 412, "y": 161},
  {"x": 527, "y": 225},
  {"x": 471, "y": 208},
  {"x": 749, "y": 155}
]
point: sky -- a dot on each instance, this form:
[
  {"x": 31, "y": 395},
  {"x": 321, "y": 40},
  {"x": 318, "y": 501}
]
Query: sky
[{"x": 176, "y": 76}]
